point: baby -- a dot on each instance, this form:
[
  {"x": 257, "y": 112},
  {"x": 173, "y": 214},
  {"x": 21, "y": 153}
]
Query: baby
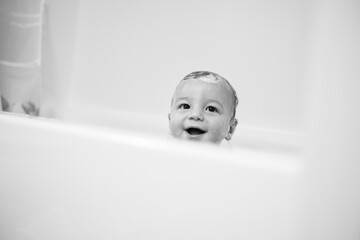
[{"x": 203, "y": 108}]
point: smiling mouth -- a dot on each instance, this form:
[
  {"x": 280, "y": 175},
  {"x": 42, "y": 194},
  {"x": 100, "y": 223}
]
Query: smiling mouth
[{"x": 195, "y": 131}]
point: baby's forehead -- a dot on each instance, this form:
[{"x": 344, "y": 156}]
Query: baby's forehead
[{"x": 214, "y": 88}]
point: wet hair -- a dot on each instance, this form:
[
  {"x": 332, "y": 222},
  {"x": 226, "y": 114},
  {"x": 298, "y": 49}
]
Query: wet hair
[{"x": 199, "y": 74}]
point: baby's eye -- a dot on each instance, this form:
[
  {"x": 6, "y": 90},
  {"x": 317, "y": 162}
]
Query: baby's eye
[
  {"x": 211, "y": 109},
  {"x": 184, "y": 106}
]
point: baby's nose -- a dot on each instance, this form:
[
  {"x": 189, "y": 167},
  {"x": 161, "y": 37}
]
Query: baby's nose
[{"x": 196, "y": 114}]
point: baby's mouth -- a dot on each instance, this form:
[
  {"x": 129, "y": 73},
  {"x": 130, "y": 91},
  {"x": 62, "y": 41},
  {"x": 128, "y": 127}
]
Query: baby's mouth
[{"x": 195, "y": 131}]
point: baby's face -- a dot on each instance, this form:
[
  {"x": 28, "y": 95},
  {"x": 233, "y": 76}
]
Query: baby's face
[{"x": 202, "y": 110}]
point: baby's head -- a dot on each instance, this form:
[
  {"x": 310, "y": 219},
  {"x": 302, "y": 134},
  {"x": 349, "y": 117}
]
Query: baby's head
[{"x": 203, "y": 108}]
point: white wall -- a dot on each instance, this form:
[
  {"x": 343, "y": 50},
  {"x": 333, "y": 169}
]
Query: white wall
[
  {"x": 58, "y": 48},
  {"x": 130, "y": 55},
  {"x": 332, "y": 183}
]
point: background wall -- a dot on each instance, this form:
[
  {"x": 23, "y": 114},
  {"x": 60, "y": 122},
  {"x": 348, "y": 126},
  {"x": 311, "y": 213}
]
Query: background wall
[
  {"x": 58, "y": 50},
  {"x": 130, "y": 55}
]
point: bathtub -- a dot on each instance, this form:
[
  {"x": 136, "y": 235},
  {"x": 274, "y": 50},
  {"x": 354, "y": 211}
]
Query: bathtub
[{"x": 60, "y": 179}]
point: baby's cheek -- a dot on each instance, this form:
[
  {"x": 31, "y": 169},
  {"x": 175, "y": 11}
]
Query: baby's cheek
[
  {"x": 223, "y": 124},
  {"x": 218, "y": 132},
  {"x": 223, "y": 128},
  {"x": 175, "y": 127}
]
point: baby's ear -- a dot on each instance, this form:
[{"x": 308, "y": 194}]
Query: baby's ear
[
  {"x": 169, "y": 117},
  {"x": 232, "y": 127}
]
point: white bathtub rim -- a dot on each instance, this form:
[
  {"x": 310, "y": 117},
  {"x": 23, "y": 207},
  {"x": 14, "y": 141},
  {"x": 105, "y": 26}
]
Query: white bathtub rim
[{"x": 285, "y": 163}]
